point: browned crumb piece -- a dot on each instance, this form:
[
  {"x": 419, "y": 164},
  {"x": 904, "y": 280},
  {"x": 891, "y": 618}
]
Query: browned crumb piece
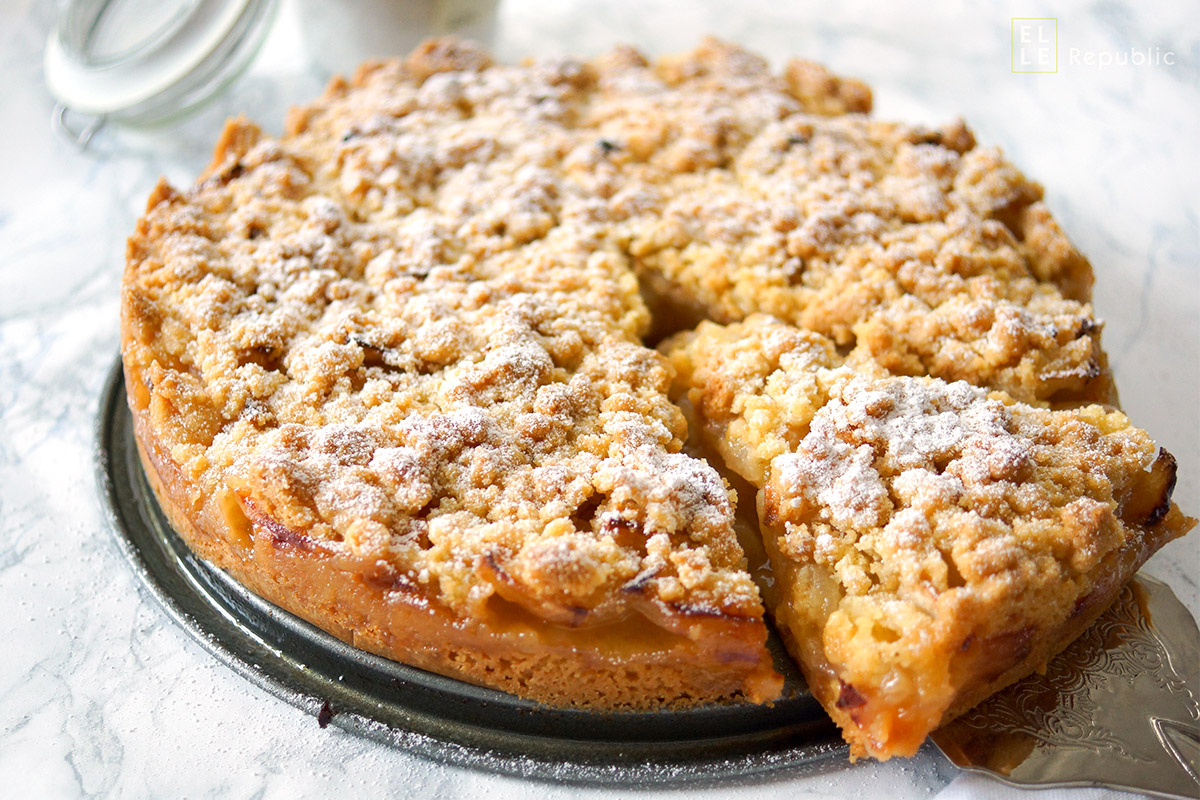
[
  {"x": 931, "y": 542},
  {"x": 822, "y": 92}
]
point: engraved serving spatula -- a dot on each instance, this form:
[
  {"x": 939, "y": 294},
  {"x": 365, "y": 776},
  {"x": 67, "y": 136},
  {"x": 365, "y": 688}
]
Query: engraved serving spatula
[{"x": 1120, "y": 708}]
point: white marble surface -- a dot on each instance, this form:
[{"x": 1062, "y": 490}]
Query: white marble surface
[{"x": 100, "y": 694}]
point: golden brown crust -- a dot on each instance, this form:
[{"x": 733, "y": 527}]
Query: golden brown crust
[{"x": 931, "y": 542}]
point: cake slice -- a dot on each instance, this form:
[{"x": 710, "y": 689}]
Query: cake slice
[{"x": 931, "y": 542}]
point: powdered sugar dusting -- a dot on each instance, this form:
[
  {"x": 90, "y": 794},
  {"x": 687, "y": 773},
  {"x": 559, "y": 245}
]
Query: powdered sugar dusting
[{"x": 906, "y": 430}]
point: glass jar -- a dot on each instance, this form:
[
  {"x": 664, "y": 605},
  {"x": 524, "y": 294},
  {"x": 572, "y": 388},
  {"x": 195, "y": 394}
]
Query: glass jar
[{"x": 147, "y": 62}]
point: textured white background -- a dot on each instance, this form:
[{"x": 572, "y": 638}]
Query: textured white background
[{"x": 101, "y": 695}]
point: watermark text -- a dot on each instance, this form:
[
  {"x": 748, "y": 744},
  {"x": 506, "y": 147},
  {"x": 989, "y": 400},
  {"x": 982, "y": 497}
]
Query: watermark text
[
  {"x": 1133, "y": 57},
  {"x": 1035, "y": 49}
]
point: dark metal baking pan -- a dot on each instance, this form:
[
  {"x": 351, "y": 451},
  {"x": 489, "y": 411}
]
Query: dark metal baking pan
[{"x": 424, "y": 713}]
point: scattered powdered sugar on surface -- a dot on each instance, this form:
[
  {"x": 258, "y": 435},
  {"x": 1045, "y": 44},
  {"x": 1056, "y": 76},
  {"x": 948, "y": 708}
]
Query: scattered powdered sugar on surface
[
  {"x": 918, "y": 422},
  {"x": 901, "y": 431},
  {"x": 675, "y": 485}
]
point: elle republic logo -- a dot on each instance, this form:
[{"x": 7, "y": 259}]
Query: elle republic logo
[{"x": 1035, "y": 49}]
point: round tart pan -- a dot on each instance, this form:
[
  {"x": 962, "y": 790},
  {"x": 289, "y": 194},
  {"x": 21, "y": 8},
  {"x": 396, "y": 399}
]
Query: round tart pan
[{"x": 428, "y": 714}]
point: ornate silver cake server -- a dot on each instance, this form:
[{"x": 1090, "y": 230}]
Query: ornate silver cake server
[{"x": 1120, "y": 708}]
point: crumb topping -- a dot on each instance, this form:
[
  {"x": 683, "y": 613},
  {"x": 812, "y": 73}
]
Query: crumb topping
[{"x": 410, "y": 330}]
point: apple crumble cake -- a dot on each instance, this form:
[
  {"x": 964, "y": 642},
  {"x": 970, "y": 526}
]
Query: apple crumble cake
[{"x": 394, "y": 371}]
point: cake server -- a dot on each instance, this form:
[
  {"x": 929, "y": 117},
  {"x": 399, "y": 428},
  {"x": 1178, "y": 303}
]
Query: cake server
[{"x": 1118, "y": 709}]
